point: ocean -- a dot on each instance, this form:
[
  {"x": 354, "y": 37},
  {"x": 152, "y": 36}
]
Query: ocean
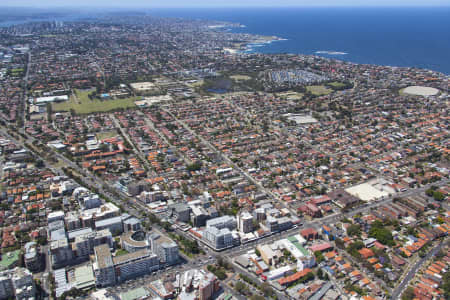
[{"x": 407, "y": 37}]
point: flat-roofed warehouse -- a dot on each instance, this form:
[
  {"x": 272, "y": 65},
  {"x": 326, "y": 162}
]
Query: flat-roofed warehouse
[
  {"x": 45, "y": 100},
  {"x": 144, "y": 86}
]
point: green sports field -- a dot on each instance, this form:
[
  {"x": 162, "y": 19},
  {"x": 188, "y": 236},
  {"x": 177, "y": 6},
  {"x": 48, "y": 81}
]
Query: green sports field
[{"x": 81, "y": 104}]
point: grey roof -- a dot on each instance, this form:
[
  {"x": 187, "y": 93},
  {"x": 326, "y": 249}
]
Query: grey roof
[
  {"x": 132, "y": 221},
  {"x": 56, "y": 214},
  {"x": 318, "y": 295},
  {"x": 179, "y": 207},
  {"x": 284, "y": 220},
  {"x": 29, "y": 245},
  {"x": 154, "y": 236},
  {"x": 168, "y": 245},
  {"x": 60, "y": 275},
  {"x": 58, "y": 234},
  {"x": 109, "y": 221},
  {"x": 55, "y": 225},
  {"x": 61, "y": 281},
  {"x": 121, "y": 259},
  {"x": 220, "y": 220},
  {"x": 218, "y": 232},
  {"x": 243, "y": 261},
  {"x": 74, "y": 233},
  {"x": 30, "y": 250},
  {"x": 103, "y": 256}
]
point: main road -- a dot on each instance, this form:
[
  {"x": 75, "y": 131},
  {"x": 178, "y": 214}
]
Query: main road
[{"x": 412, "y": 272}]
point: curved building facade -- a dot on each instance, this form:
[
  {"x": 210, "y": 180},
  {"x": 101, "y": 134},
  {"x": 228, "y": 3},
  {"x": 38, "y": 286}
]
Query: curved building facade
[{"x": 134, "y": 241}]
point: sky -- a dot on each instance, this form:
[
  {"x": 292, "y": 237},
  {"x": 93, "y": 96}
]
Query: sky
[{"x": 218, "y": 3}]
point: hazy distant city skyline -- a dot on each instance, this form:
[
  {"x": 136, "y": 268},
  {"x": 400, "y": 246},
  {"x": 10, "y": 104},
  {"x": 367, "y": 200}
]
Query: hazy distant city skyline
[{"x": 220, "y": 3}]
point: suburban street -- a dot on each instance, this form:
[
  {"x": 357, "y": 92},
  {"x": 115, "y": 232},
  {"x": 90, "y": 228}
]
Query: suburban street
[{"x": 412, "y": 272}]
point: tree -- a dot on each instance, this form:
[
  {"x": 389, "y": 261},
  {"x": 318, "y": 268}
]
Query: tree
[
  {"x": 429, "y": 192},
  {"x": 239, "y": 286},
  {"x": 382, "y": 234},
  {"x": 267, "y": 289},
  {"x": 39, "y": 163},
  {"x": 74, "y": 292},
  {"x": 319, "y": 256},
  {"x": 446, "y": 285},
  {"x": 104, "y": 147},
  {"x": 320, "y": 273},
  {"x": 353, "y": 230},
  {"x": 42, "y": 240},
  {"x": 220, "y": 274},
  {"x": 224, "y": 263},
  {"x": 195, "y": 166},
  {"x": 438, "y": 196},
  {"x": 166, "y": 225},
  {"x": 339, "y": 243},
  {"x": 411, "y": 231},
  {"x": 408, "y": 293},
  {"x": 308, "y": 277},
  {"x": 422, "y": 253},
  {"x": 256, "y": 225},
  {"x": 49, "y": 112},
  {"x": 354, "y": 247}
]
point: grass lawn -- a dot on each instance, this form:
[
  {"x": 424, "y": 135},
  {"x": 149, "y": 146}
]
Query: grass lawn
[
  {"x": 197, "y": 84},
  {"x": 188, "y": 254},
  {"x": 83, "y": 105},
  {"x": 336, "y": 84},
  {"x": 318, "y": 90},
  {"x": 106, "y": 134},
  {"x": 17, "y": 72},
  {"x": 291, "y": 95},
  {"x": 121, "y": 252},
  {"x": 240, "y": 77},
  {"x": 59, "y": 164}
]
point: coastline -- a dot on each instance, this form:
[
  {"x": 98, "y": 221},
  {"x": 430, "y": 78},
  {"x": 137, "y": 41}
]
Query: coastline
[
  {"x": 415, "y": 57},
  {"x": 261, "y": 41}
]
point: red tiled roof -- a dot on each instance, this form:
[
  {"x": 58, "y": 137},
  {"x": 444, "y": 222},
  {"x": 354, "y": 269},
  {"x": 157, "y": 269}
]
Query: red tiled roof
[
  {"x": 294, "y": 277},
  {"x": 321, "y": 247}
]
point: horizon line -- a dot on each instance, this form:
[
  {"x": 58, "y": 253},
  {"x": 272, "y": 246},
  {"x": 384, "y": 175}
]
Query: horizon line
[{"x": 231, "y": 6}]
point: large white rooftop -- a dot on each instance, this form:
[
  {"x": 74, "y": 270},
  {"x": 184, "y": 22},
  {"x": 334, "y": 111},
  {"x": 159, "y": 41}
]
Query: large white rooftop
[
  {"x": 420, "y": 91},
  {"x": 366, "y": 192}
]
